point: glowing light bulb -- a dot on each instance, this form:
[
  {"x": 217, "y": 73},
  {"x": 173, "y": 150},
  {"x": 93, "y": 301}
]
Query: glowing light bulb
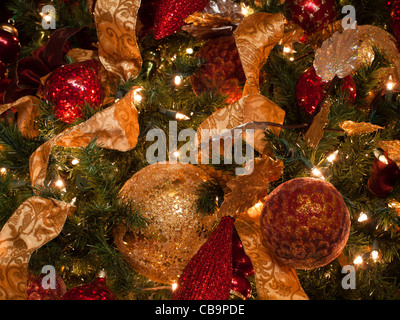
[
  {"x": 332, "y": 157},
  {"x": 390, "y": 84},
  {"x": 59, "y": 183},
  {"x": 137, "y": 97},
  {"x": 374, "y": 255},
  {"x": 174, "y": 286},
  {"x": 363, "y": 217},
  {"x": 3, "y": 170},
  {"x": 178, "y": 80},
  {"x": 315, "y": 171},
  {"x": 181, "y": 116},
  {"x": 74, "y": 162},
  {"x": 358, "y": 260},
  {"x": 189, "y": 50}
]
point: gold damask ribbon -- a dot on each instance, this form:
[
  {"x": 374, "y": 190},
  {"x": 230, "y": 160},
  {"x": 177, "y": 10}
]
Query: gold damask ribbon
[
  {"x": 27, "y": 108},
  {"x": 35, "y": 222},
  {"x": 273, "y": 280},
  {"x": 255, "y": 37},
  {"x": 116, "y": 25},
  {"x": 253, "y": 107},
  {"x": 116, "y": 128}
]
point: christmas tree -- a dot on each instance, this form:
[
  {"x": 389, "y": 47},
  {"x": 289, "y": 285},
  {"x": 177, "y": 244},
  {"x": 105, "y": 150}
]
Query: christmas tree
[{"x": 227, "y": 149}]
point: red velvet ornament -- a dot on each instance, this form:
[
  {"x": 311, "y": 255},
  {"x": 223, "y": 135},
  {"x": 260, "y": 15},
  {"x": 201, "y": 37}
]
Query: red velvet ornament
[
  {"x": 35, "y": 290},
  {"x": 208, "y": 274},
  {"x": 383, "y": 177},
  {"x": 71, "y": 86},
  {"x": 223, "y": 70},
  {"x": 395, "y": 19},
  {"x": 310, "y": 90},
  {"x": 312, "y": 15},
  {"x": 305, "y": 223},
  {"x": 96, "y": 290},
  {"x": 10, "y": 47},
  {"x": 170, "y": 15}
]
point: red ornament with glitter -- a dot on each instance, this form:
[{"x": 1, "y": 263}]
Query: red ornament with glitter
[
  {"x": 208, "y": 274},
  {"x": 96, "y": 290},
  {"x": 305, "y": 223},
  {"x": 242, "y": 268},
  {"x": 170, "y": 15},
  {"x": 312, "y": 15},
  {"x": 71, "y": 86},
  {"x": 35, "y": 289},
  {"x": 310, "y": 90}
]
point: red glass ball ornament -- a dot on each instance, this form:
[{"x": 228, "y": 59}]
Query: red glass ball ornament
[
  {"x": 384, "y": 177},
  {"x": 71, "y": 86},
  {"x": 96, "y": 290},
  {"x": 35, "y": 289},
  {"x": 170, "y": 15},
  {"x": 312, "y": 15},
  {"x": 305, "y": 223},
  {"x": 10, "y": 47},
  {"x": 310, "y": 90},
  {"x": 241, "y": 285}
]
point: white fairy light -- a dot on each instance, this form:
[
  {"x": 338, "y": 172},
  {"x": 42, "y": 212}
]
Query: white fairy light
[
  {"x": 178, "y": 80},
  {"x": 363, "y": 217},
  {"x": 332, "y": 157}
]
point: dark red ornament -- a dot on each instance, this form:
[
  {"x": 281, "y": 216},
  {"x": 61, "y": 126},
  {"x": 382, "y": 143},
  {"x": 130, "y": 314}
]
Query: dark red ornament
[
  {"x": 10, "y": 47},
  {"x": 310, "y": 90},
  {"x": 312, "y": 15},
  {"x": 96, "y": 290},
  {"x": 222, "y": 71},
  {"x": 395, "y": 19},
  {"x": 240, "y": 261},
  {"x": 35, "y": 290},
  {"x": 3, "y": 71},
  {"x": 208, "y": 274},
  {"x": 384, "y": 177},
  {"x": 170, "y": 15},
  {"x": 4, "y": 83},
  {"x": 71, "y": 86},
  {"x": 241, "y": 284}
]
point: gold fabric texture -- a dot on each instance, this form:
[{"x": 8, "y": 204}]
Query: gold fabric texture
[
  {"x": 33, "y": 224},
  {"x": 253, "y": 107},
  {"x": 27, "y": 108},
  {"x": 355, "y": 128},
  {"x": 273, "y": 280},
  {"x": 116, "y": 25}
]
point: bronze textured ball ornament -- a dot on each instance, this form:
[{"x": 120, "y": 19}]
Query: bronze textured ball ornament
[
  {"x": 166, "y": 195},
  {"x": 305, "y": 223}
]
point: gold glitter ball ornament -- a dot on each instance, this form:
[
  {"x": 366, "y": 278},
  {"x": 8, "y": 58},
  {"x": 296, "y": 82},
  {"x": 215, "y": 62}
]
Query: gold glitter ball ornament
[{"x": 166, "y": 195}]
